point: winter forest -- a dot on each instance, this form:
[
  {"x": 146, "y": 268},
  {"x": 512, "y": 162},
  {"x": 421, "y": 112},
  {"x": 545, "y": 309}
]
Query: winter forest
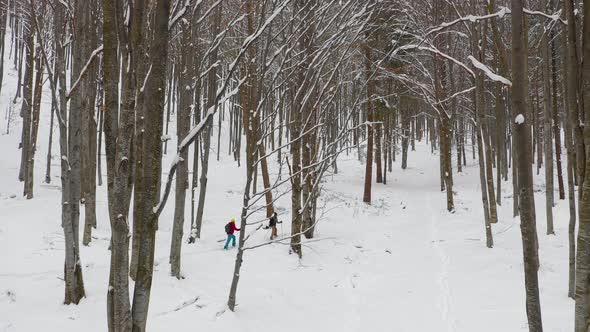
[{"x": 295, "y": 165}]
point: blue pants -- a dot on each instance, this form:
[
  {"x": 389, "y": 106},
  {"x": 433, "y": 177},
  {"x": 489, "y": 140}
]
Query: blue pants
[{"x": 230, "y": 237}]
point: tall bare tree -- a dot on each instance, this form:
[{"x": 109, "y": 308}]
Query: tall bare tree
[{"x": 525, "y": 174}]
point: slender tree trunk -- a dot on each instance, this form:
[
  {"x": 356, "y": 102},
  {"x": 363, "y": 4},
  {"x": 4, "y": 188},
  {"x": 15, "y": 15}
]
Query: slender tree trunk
[
  {"x": 74, "y": 284},
  {"x": 100, "y": 113},
  {"x": 583, "y": 251},
  {"x": 49, "y": 145},
  {"x": 378, "y": 152},
  {"x": 183, "y": 117},
  {"x": 206, "y": 136},
  {"x": 231, "y": 302},
  {"x": 547, "y": 116},
  {"x": 36, "y": 110},
  {"x": 555, "y": 118},
  {"x": 370, "y": 111},
  {"x": 489, "y": 171},
  {"x": 525, "y": 176},
  {"x": 570, "y": 166},
  {"x": 500, "y": 142},
  {"x": 136, "y": 60},
  {"x": 118, "y": 147},
  {"x": 484, "y": 165},
  {"x": 151, "y": 168},
  {"x": 405, "y": 130},
  {"x": 445, "y": 152},
  {"x": 27, "y": 104},
  {"x": 89, "y": 152},
  {"x": 296, "y": 220},
  {"x": 3, "y": 20},
  {"x": 573, "y": 89},
  {"x": 537, "y": 128},
  {"x": 484, "y": 192}
]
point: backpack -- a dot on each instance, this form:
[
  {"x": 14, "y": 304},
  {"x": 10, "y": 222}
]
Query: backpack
[{"x": 228, "y": 228}]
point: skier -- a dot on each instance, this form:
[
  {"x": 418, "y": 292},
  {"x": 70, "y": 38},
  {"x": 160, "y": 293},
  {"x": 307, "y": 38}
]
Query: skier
[
  {"x": 229, "y": 230},
  {"x": 272, "y": 223}
]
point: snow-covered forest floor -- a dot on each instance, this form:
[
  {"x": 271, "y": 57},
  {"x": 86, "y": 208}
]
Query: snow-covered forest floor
[{"x": 401, "y": 264}]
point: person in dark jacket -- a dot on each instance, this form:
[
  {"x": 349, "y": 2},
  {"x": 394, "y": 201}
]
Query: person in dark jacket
[
  {"x": 272, "y": 224},
  {"x": 229, "y": 230}
]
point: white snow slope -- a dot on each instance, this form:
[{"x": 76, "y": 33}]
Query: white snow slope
[{"x": 401, "y": 264}]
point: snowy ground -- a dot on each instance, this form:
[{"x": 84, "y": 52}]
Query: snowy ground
[{"x": 402, "y": 264}]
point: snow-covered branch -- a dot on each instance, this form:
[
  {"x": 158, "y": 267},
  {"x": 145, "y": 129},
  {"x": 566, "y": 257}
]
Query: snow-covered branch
[
  {"x": 489, "y": 73},
  {"x": 499, "y": 14},
  {"x": 436, "y": 51},
  {"x": 555, "y": 17},
  {"x": 179, "y": 14},
  {"x": 470, "y": 18},
  {"x": 94, "y": 54}
]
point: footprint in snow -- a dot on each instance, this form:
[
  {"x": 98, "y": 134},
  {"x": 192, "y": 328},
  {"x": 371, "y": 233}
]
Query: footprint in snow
[
  {"x": 348, "y": 282},
  {"x": 9, "y": 296}
]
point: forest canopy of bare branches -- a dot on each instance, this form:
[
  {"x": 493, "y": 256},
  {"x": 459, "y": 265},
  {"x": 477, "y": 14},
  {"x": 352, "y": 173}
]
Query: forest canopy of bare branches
[{"x": 141, "y": 106}]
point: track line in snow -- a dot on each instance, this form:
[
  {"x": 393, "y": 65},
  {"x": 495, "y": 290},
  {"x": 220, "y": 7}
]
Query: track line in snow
[{"x": 445, "y": 299}]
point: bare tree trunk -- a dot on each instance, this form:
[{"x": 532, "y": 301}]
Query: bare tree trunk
[
  {"x": 89, "y": 151},
  {"x": 483, "y": 164},
  {"x": 29, "y": 178},
  {"x": 118, "y": 149},
  {"x": 183, "y": 117},
  {"x": 555, "y": 118},
  {"x": 405, "y": 122},
  {"x": 136, "y": 59},
  {"x": 169, "y": 102},
  {"x": 19, "y": 58},
  {"x": 444, "y": 114},
  {"x": 515, "y": 185},
  {"x": 445, "y": 132},
  {"x": 484, "y": 192},
  {"x": 458, "y": 144},
  {"x": 100, "y": 113},
  {"x": 500, "y": 142},
  {"x": 206, "y": 136},
  {"x": 573, "y": 90},
  {"x": 27, "y": 103},
  {"x": 296, "y": 220},
  {"x": 3, "y": 20},
  {"x": 231, "y": 302},
  {"x": 538, "y": 142},
  {"x": 49, "y": 145},
  {"x": 489, "y": 172},
  {"x": 547, "y": 115},
  {"x": 73, "y": 268},
  {"x": 378, "y": 152},
  {"x": 583, "y": 251},
  {"x": 570, "y": 166},
  {"x": 369, "y": 126},
  {"x": 151, "y": 168},
  {"x": 525, "y": 176}
]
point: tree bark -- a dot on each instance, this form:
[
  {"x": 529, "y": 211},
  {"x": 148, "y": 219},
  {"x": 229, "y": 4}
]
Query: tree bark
[
  {"x": 525, "y": 176},
  {"x": 183, "y": 117},
  {"x": 555, "y": 118},
  {"x": 582, "y": 323},
  {"x": 369, "y": 126},
  {"x": 570, "y": 166},
  {"x": 151, "y": 168},
  {"x": 206, "y": 136},
  {"x": 36, "y": 110},
  {"x": 27, "y": 104},
  {"x": 547, "y": 132},
  {"x": 70, "y": 146},
  {"x": 118, "y": 144}
]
